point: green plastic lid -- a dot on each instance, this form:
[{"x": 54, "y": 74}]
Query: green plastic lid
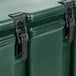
[{"x": 27, "y": 6}]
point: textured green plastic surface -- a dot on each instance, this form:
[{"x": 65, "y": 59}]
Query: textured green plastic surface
[
  {"x": 7, "y": 60},
  {"x": 46, "y": 51},
  {"x": 73, "y": 57},
  {"x": 66, "y": 58},
  {"x": 20, "y": 67}
]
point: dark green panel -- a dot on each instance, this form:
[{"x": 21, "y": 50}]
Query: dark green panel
[
  {"x": 46, "y": 52},
  {"x": 66, "y": 58},
  {"x": 73, "y": 57},
  {"x": 20, "y": 67},
  {"x": 7, "y": 60}
]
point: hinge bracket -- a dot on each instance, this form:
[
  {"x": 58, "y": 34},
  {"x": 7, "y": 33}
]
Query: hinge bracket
[
  {"x": 69, "y": 19},
  {"x": 21, "y": 34}
]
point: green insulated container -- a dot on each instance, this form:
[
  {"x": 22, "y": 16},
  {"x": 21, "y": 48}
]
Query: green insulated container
[{"x": 34, "y": 40}]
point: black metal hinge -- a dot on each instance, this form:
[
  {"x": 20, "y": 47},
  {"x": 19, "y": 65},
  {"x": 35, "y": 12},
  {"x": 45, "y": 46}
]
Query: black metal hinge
[
  {"x": 69, "y": 19},
  {"x": 21, "y": 34}
]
